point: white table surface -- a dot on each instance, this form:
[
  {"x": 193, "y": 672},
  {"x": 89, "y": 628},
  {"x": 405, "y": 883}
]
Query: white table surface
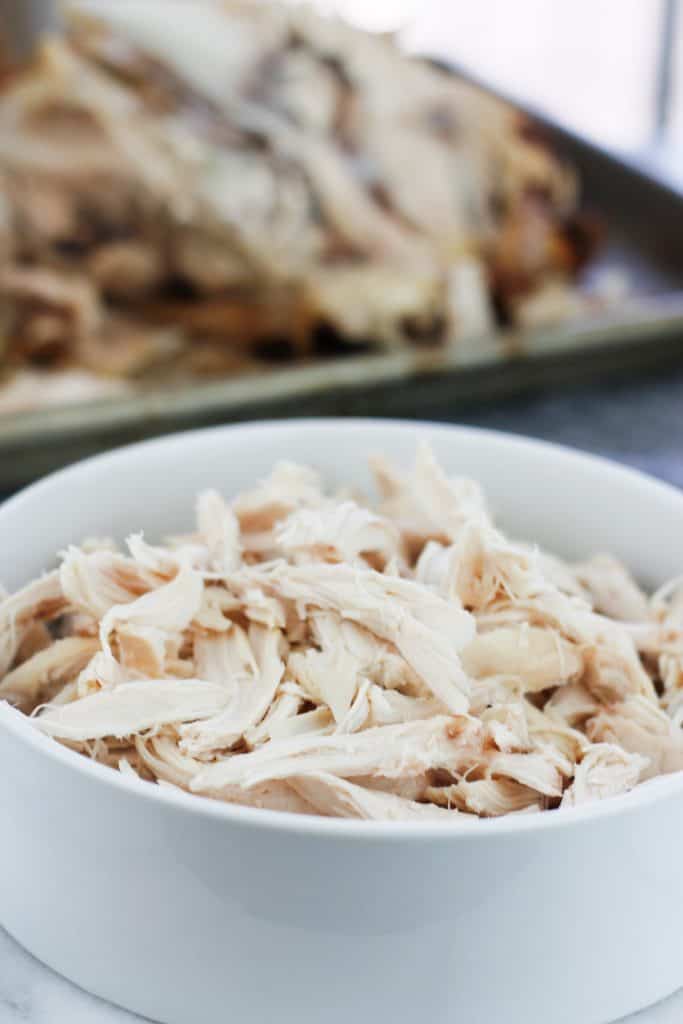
[{"x": 32, "y": 994}]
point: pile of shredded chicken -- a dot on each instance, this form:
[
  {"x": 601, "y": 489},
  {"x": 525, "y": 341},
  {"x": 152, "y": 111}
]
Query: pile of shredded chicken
[
  {"x": 308, "y": 653},
  {"x": 209, "y": 184}
]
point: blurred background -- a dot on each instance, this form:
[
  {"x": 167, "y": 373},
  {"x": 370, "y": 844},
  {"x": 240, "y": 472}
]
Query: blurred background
[
  {"x": 591, "y": 353},
  {"x": 612, "y": 71}
]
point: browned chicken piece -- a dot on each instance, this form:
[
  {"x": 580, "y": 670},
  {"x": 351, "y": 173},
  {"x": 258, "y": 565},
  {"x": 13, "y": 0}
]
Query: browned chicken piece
[
  {"x": 199, "y": 185},
  {"x": 50, "y": 312}
]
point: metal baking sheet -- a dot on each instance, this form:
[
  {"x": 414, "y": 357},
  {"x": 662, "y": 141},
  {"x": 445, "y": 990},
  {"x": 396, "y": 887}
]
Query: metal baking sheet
[{"x": 644, "y": 222}]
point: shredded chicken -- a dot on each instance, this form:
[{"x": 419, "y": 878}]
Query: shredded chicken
[
  {"x": 191, "y": 186},
  {"x": 311, "y": 653}
]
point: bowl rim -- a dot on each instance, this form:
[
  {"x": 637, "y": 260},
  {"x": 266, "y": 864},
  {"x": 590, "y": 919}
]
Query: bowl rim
[{"x": 463, "y": 827}]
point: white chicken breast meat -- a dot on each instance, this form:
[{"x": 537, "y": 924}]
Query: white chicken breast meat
[{"x": 314, "y": 652}]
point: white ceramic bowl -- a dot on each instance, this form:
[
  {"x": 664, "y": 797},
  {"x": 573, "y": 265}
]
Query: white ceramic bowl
[{"x": 190, "y": 911}]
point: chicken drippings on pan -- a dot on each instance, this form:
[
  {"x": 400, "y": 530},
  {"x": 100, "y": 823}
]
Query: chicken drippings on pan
[{"x": 311, "y": 652}]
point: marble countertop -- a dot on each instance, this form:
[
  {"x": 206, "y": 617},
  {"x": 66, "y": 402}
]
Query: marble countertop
[
  {"x": 637, "y": 423},
  {"x": 32, "y": 994}
]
